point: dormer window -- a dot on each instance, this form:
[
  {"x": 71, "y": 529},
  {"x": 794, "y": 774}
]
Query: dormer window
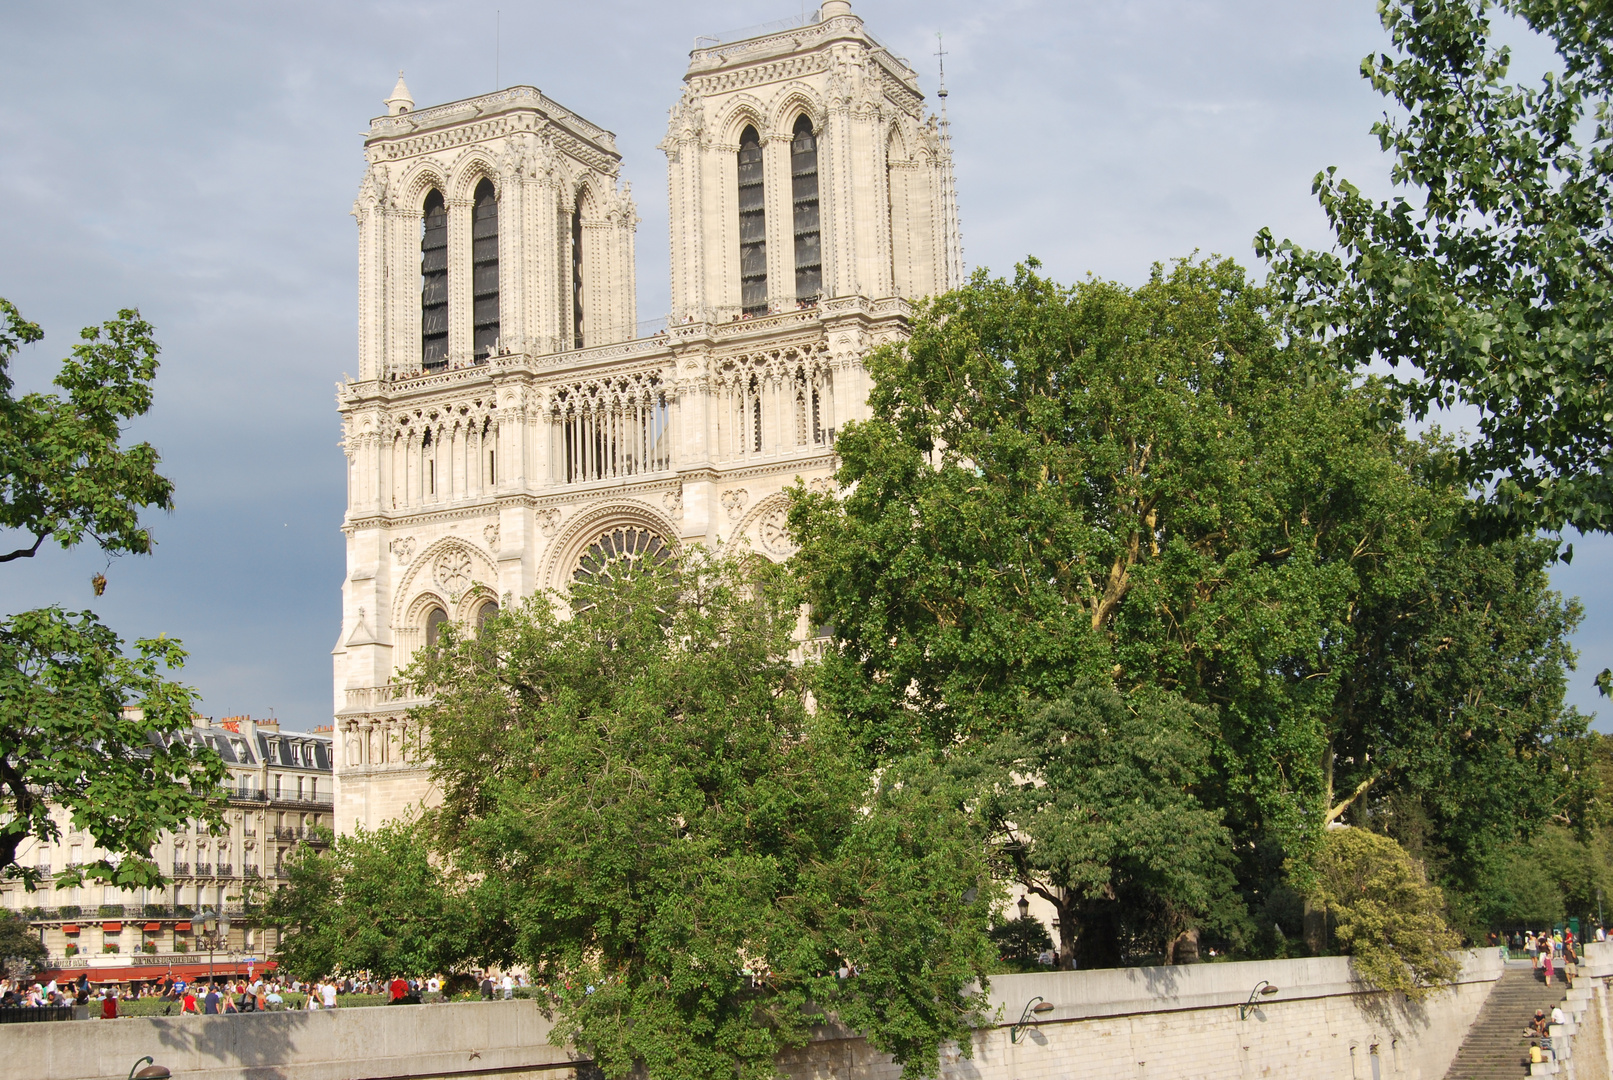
[
  {"x": 434, "y": 283},
  {"x": 752, "y": 225}
]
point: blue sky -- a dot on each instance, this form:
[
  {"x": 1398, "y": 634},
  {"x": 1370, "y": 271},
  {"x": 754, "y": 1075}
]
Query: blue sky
[{"x": 199, "y": 161}]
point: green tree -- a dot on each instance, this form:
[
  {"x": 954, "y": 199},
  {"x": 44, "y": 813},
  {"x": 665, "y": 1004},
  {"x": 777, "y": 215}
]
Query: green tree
[
  {"x": 1092, "y": 805},
  {"x": 1491, "y": 276},
  {"x": 1156, "y": 488},
  {"x": 83, "y": 725},
  {"x": 1139, "y": 486},
  {"x": 1384, "y": 912},
  {"x": 1021, "y": 942},
  {"x": 688, "y": 859},
  {"x": 376, "y": 902},
  {"x": 20, "y": 947}
]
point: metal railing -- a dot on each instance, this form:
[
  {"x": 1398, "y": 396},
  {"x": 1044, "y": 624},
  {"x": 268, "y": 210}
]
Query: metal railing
[
  {"x": 226, "y": 869},
  {"x": 181, "y": 869},
  {"x": 204, "y": 869}
]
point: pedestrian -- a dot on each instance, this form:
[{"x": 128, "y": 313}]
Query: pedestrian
[
  {"x": 210, "y": 1001},
  {"x": 1531, "y": 945},
  {"x": 508, "y": 986},
  {"x": 330, "y": 994},
  {"x": 1570, "y": 964},
  {"x": 187, "y": 1002},
  {"x": 1546, "y": 964},
  {"x": 109, "y": 1005},
  {"x": 487, "y": 986}
]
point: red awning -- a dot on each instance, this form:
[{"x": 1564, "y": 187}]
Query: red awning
[
  {"x": 112, "y": 927},
  {"x": 152, "y": 927},
  {"x": 181, "y": 926},
  {"x": 70, "y": 929}
]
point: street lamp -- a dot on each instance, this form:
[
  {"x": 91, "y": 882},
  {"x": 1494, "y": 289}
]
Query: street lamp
[
  {"x": 215, "y": 935},
  {"x": 1024, "y": 906}
]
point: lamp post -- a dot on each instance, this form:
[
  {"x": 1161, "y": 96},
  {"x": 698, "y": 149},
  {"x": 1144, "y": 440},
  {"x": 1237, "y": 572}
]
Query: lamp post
[{"x": 215, "y": 935}]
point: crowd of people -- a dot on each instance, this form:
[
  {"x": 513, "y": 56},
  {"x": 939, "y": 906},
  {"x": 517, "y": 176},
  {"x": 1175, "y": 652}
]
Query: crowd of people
[{"x": 213, "y": 997}]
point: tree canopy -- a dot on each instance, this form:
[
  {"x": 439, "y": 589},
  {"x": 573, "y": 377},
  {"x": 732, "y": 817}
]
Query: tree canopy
[
  {"x": 85, "y": 726},
  {"x": 376, "y": 902},
  {"x": 687, "y": 858},
  {"x": 1162, "y": 490},
  {"x": 1490, "y": 277}
]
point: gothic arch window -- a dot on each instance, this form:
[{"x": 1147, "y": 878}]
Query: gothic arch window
[
  {"x": 484, "y": 267},
  {"x": 576, "y": 274},
  {"x": 804, "y": 196},
  {"x": 434, "y": 283},
  {"x": 436, "y": 618},
  {"x": 752, "y": 225},
  {"x": 486, "y": 611}
]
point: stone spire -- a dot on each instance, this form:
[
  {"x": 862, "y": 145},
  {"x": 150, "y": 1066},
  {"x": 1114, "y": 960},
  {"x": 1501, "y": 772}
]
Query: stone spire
[
  {"x": 400, "y": 101},
  {"x": 953, "y": 255}
]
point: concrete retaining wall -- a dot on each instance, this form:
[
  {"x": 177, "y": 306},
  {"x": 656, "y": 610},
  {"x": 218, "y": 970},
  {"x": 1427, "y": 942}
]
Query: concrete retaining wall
[{"x": 1135, "y": 1023}]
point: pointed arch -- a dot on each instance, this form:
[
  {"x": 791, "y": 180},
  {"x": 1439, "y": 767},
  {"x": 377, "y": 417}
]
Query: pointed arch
[
  {"x": 806, "y": 219},
  {"x": 433, "y": 281},
  {"x": 484, "y": 268},
  {"x": 752, "y": 203}
]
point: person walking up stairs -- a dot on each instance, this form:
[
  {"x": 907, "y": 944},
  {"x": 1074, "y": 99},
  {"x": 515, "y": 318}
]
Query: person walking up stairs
[{"x": 1497, "y": 1045}]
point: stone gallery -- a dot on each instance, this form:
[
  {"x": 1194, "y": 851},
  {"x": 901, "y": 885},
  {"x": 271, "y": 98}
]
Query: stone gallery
[{"x": 513, "y": 427}]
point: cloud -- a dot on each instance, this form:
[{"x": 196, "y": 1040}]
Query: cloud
[{"x": 199, "y": 161}]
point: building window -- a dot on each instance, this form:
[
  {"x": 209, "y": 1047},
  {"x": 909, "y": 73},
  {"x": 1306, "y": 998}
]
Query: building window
[
  {"x": 484, "y": 267},
  {"x": 576, "y": 276},
  {"x": 485, "y": 612},
  {"x": 435, "y": 618},
  {"x": 277, "y": 787},
  {"x": 804, "y": 194},
  {"x": 752, "y": 226},
  {"x": 434, "y": 283}
]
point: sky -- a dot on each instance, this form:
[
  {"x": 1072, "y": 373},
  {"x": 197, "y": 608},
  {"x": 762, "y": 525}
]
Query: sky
[{"x": 199, "y": 162}]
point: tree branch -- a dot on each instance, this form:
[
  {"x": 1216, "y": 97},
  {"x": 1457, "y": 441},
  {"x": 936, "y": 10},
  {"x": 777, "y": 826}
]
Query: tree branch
[
  {"x": 26, "y": 553},
  {"x": 1361, "y": 789}
]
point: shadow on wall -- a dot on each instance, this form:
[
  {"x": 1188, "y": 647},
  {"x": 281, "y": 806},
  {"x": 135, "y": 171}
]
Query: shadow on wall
[{"x": 201, "y": 1041}]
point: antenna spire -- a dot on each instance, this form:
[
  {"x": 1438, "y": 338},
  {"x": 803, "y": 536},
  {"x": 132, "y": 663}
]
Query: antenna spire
[{"x": 949, "y": 184}]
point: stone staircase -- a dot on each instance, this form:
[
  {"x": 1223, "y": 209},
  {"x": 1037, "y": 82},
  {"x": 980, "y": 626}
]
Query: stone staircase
[{"x": 1496, "y": 1046}]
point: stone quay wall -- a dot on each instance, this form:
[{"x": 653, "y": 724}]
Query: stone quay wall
[{"x": 1131, "y": 1023}]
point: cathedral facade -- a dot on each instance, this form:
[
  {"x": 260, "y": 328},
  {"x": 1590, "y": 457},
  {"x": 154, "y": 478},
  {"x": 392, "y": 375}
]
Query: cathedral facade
[{"x": 511, "y": 428}]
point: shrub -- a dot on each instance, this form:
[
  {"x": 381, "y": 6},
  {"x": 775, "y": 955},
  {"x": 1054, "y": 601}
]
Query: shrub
[
  {"x": 1385, "y": 913},
  {"x": 72, "y": 950},
  {"x": 69, "y": 911},
  {"x": 1020, "y": 941},
  {"x": 111, "y": 909},
  {"x": 109, "y": 947}
]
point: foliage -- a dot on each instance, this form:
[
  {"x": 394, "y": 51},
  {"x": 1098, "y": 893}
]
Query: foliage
[
  {"x": 690, "y": 862},
  {"x": 1491, "y": 276},
  {"x": 1096, "y": 483},
  {"x": 20, "y": 948},
  {"x": 1385, "y": 913},
  {"x": 1157, "y": 488},
  {"x": 63, "y": 472},
  {"x": 66, "y": 739},
  {"x": 1021, "y": 941},
  {"x": 1092, "y": 805},
  {"x": 374, "y": 902},
  {"x": 72, "y": 741}
]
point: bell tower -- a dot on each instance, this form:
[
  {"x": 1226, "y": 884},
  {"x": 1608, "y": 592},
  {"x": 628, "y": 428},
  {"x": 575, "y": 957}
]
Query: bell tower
[
  {"x": 801, "y": 166},
  {"x": 489, "y": 226}
]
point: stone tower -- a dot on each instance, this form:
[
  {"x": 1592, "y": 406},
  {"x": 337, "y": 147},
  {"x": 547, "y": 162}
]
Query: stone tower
[
  {"x": 801, "y": 164},
  {"x": 509, "y": 429}
]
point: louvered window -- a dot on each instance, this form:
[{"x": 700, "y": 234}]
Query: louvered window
[
  {"x": 484, "y": 267},
  {"x": 576, "y": 277},
  {"x": 804, "y": 194},
  {"x": 434, "y": 284},
  {"x": 752, "y": 226}
]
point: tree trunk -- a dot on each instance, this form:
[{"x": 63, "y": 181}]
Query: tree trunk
[
  {"x": 1315, "y": 928},
  {"x": 1098, "y": 943},
  {"x": 1184, "y": 948}
]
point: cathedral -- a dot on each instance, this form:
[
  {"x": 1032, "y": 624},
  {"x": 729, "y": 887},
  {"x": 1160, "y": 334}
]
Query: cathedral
[{"x": 513, "y": 426}]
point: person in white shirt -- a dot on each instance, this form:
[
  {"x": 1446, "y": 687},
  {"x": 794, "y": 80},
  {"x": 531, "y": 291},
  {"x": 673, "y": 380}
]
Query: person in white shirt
[
  {"x": 329, "y": 993},
  {"x": 1557, "y": 1016},
  {"x": 508, "y": 986},
  {"x": 432, "y": 985}
]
